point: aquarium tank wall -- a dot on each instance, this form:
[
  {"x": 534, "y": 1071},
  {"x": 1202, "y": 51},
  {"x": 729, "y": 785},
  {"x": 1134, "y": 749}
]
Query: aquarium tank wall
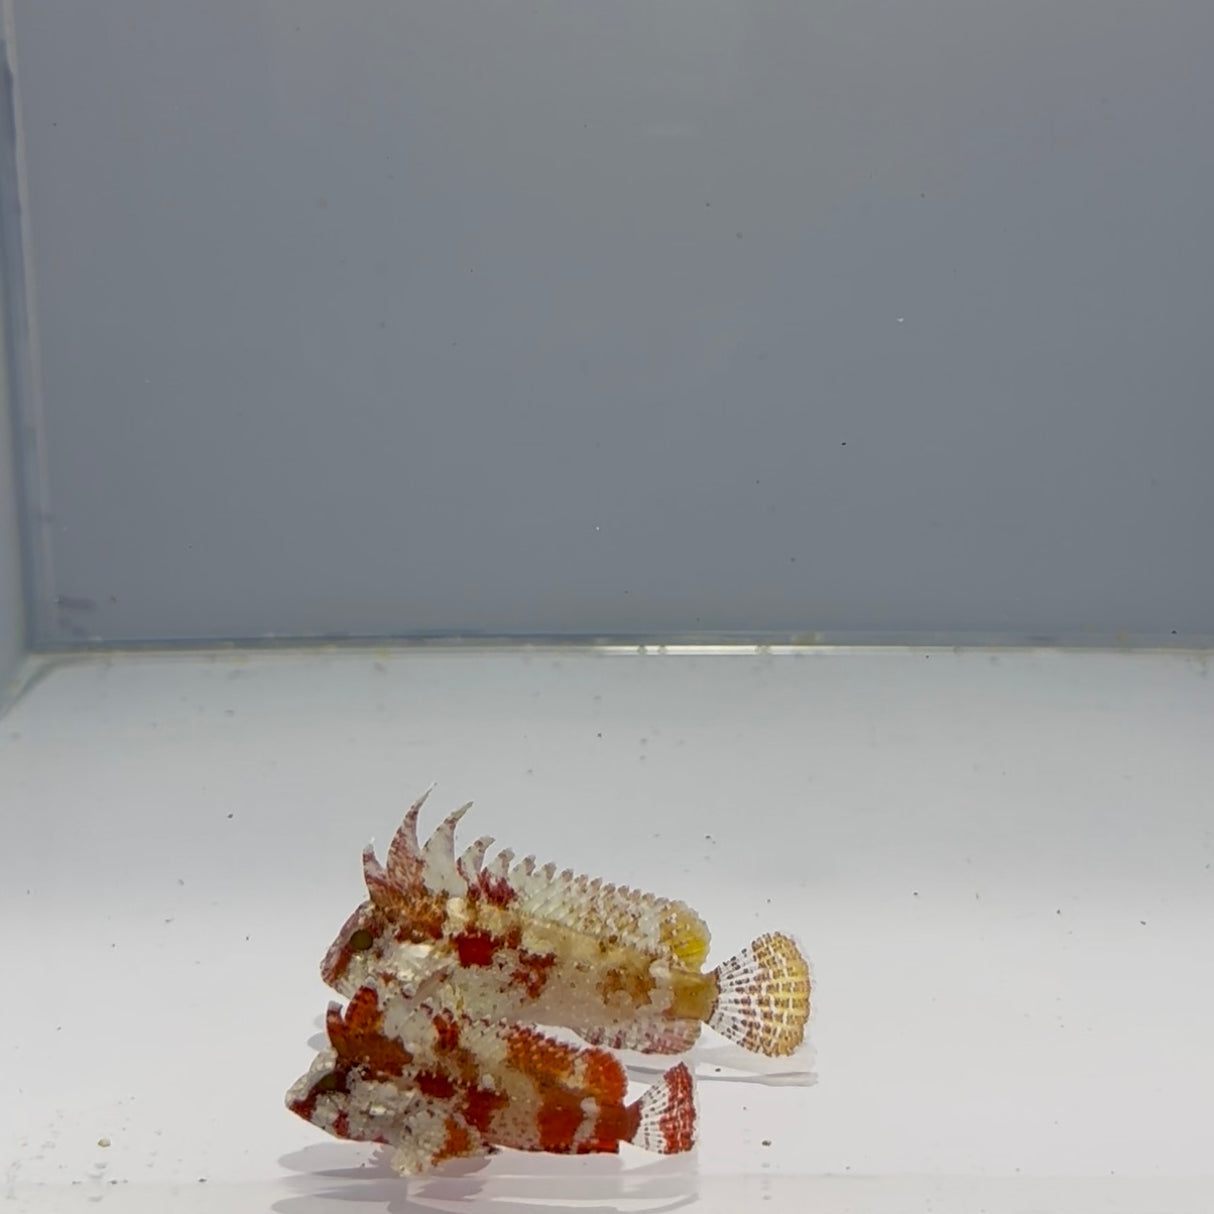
[
  {"x": 811, "y": 322},
  {"x": 759, "y": 452}
]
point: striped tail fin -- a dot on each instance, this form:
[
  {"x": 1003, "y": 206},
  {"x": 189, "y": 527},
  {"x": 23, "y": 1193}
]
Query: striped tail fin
[
  {"x": 667, "y": 1114},
  {"x": 763, "y": 996}
]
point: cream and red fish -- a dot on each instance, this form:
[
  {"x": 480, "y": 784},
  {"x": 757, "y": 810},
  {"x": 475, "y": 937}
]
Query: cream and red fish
[
  {"x": 435, "y": 1086},
  {"x": 513, "y": 941}
]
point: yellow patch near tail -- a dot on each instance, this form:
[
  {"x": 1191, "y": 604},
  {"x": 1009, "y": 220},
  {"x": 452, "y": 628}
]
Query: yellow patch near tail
[
  {"x": 763, "y": 996},
  {"x": 685, "y": 936},
  {"x": 630, "y": 917}
]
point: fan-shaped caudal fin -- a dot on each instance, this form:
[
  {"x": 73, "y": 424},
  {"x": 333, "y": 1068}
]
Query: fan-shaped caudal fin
[
  {"x": 763, "y": 996},
  {"x": 405, "y": 859},
  {"x": 667, "y": 1120}
]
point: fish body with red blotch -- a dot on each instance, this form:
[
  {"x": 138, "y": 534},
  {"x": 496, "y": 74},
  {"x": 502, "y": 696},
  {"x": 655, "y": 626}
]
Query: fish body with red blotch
[
  {"x": 523, "y": 943},
  {"x": 435, "y": 1086}
]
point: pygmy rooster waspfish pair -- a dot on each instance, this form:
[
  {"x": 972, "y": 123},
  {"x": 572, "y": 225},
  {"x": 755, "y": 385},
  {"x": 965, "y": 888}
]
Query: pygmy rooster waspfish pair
[{"x": 449, "y": 963}]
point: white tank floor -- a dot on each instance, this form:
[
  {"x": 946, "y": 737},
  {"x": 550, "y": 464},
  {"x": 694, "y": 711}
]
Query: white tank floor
[{"x": 999, "y": 863}]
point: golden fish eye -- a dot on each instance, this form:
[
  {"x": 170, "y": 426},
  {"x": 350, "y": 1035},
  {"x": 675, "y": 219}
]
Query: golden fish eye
[{"x": 361, "y": 940}]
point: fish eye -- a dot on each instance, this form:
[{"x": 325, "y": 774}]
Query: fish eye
[{"x": 361, "y": 940}]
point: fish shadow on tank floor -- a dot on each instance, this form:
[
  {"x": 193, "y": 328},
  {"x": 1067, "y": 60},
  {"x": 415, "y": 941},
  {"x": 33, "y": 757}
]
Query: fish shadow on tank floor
[{"x": 556, "y": 1184}]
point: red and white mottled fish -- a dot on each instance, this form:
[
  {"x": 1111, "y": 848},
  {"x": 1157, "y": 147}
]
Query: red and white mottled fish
[
  {"x": 437, "y": 1086},
  {"x": 514, "y": 941}
]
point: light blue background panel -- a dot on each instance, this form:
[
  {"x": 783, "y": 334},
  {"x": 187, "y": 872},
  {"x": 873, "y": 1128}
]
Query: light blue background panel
[{"x": 401, "y": 318}]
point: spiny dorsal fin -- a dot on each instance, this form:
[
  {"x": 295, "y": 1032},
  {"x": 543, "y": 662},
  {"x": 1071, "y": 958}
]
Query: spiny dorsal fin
[
  {"x": 660, "y": 926},
  {"x": 640, "y": 920},
  {"x": 433, "y": 869},
  {"x": 582, "y": 1069},
  {"x": 469, "y": 864},
  {"x": 379, "y": 887},
  {"x": 439, "y": 870},
  {"x": 405, "y": 854}
]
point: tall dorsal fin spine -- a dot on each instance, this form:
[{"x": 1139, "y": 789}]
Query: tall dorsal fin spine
[
  {"x": 378, "y": 886},
  {"x": 405, "y": 861},
  {"x": 494, "y": 880},
  {"x": 499, "y": 866},
  {"x": 439, "y": 869},
  {"x": 469, "y": 864}
]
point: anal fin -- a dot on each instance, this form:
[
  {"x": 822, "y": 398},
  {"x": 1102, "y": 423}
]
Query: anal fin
[{"x": 652, "y": 1035}]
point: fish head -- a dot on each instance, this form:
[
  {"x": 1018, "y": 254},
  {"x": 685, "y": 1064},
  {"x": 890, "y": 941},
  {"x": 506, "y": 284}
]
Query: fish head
[{"x": 357, "y": 949}]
